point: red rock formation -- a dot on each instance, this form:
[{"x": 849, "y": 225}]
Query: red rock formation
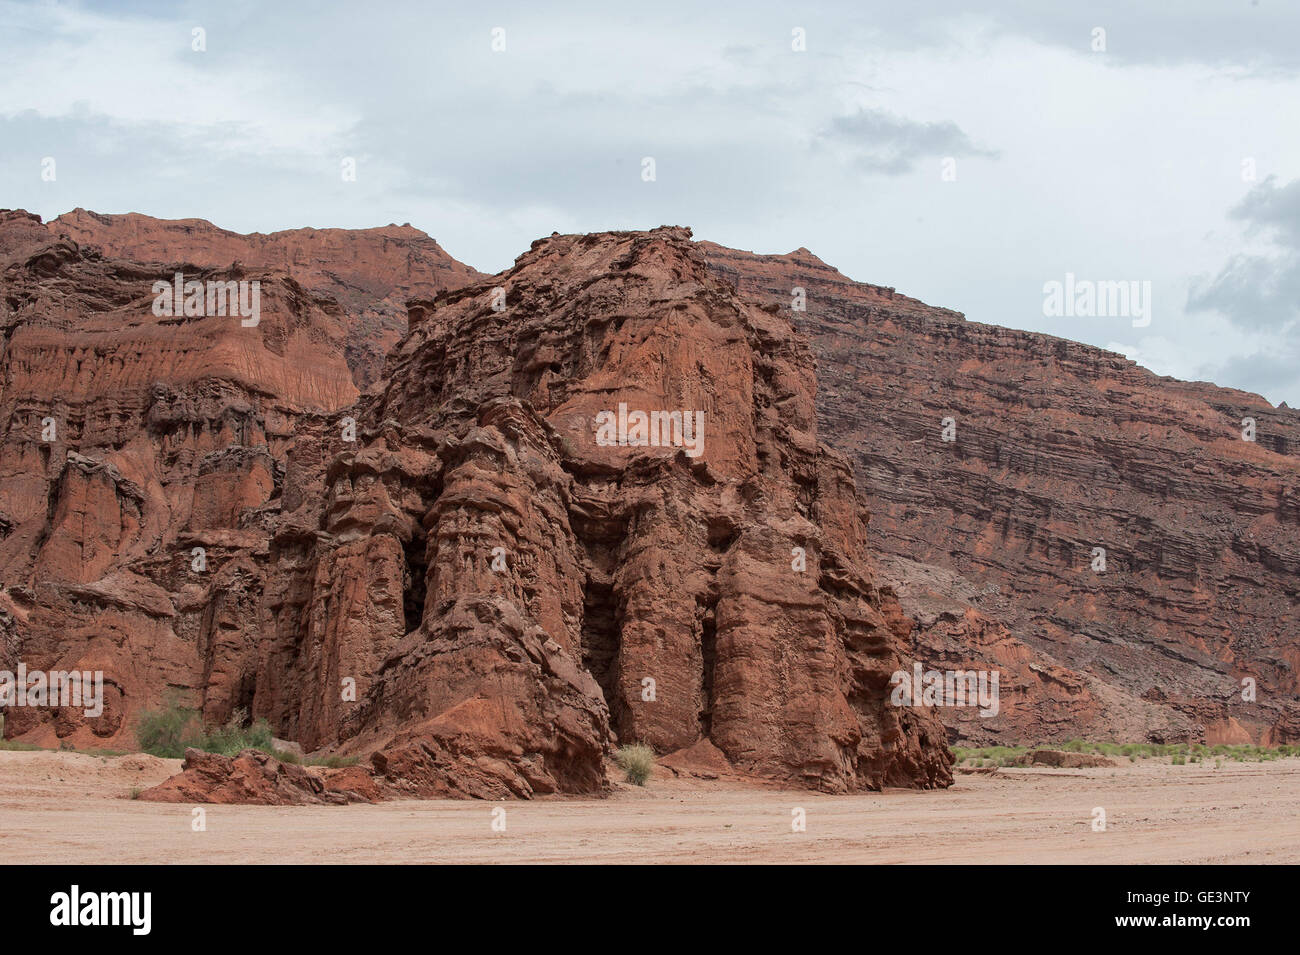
[
  {"x": 216, "y": 515},
  {"x": 1061, "y": 448},
  {"x": 219, "y": 512},
  {"x": 1060, "y": 760},
  {"x": 248, "y": 778},
  {"x": 131, "y": 439},
  {"x": 369, "y": 272},
  {"x": 614, "y": 566}
]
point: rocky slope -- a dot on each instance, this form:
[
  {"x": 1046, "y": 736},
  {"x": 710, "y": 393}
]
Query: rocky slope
[
  {"x": 1061, "y": 448},
  {"x": 449, "y": 575}
]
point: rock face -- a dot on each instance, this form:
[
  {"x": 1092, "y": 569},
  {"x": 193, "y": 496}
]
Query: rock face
[
  {"x": 561, "y": 586},
  {"x": 370, "y": 273},
  {"x": 1061, "y": 448},
  {"x": 457, "y": 571},
  {"x": 141, "y": 458},
  {"x": 455, "y": 574}
]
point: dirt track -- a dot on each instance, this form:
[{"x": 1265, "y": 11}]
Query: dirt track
[{"x": 65, "y": 807}]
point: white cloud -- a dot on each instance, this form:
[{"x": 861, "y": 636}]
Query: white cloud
[{"x": 1114, "y": 166}]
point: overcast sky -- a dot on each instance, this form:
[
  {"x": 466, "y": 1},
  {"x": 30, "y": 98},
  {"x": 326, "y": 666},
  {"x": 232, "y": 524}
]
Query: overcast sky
[{"x": 1130, "y": 163}]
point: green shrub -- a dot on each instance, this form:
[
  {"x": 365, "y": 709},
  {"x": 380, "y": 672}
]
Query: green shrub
[
  {"x": 174, "y": 728},
  {"x": 166, "y": 731},
  {"x": 637, "y": 761},
  {"x": 235, "y": 736}
]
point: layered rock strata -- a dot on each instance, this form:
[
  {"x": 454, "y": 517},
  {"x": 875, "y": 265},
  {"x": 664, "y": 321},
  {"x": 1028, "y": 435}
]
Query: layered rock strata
[
  {"x": 451, "y": 575},
  {"x": 1061, "y": 449}
]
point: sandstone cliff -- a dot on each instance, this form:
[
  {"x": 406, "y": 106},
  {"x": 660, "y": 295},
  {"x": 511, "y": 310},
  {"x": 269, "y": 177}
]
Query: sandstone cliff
[
  {"x": 1061, "y": 448},
  {"x": 137, "y": 447},
  {"x": 505, "y": 596},
  {"x": 370, "y": 273},
  {"x": 219, "y": 511}
]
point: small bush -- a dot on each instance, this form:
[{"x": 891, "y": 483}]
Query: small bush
[
  {"x": 234, "y": 736},
  {"x": 166, "y": 731},
  {"x": 637, "y": 761},
  {"x": 169, "y": 731}
]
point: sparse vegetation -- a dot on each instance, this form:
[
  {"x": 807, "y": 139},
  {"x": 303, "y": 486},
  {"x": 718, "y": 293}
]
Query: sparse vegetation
[
  {"x": 1178, "y": 754},
  {"x": 165, "y": 731},
  {"x": 236, "y": 736},
  {"x": 329, "y": 762},
  {"x": 173, "y": 728},
  {"x": 14, "y": 746},
  {"x": 988, "y": 756},
  {"x": 637, "y": 762},
  {"x": 170, "y": 730}
]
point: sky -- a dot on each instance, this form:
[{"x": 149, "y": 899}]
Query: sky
[{"x": 967, "y": 154}]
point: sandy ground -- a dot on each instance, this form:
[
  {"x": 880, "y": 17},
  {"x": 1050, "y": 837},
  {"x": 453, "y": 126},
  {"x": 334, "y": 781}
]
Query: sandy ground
[{"x": 73, "y": 808}]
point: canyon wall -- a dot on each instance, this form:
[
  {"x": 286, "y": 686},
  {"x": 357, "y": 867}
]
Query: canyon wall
[
  {"x": 370, "y": 273},
  {"x": 1061, "y": 448},
  {"x": 139, "y": 454},
  {"x": 392, "y": 484},
  {"x": 449, "y": 574}
]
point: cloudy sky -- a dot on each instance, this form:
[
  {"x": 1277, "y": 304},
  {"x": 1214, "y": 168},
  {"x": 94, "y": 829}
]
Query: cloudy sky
[{"x": 963, "y": 153}]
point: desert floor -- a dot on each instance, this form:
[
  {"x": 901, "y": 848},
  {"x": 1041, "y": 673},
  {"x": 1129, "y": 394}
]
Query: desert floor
[{"x": 74, "y": 808}]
